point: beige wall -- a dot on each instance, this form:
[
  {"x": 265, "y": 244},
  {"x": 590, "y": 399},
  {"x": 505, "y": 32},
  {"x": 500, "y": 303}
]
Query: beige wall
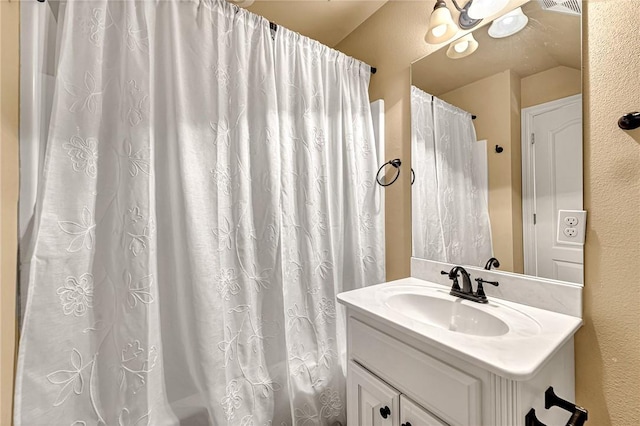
[
  {"x": 9, "y": 72},
  {"x": 608, "y": 361},
  {"x": 491, "y": 100},
  {"x": 608, "y": 346},
  {"x": 550, "y": 85},
  {"x": 515, "y": 154}
]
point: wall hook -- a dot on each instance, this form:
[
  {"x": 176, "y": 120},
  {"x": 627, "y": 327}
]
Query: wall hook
[
  {"x": 629, "y": 121},
  {"x": 499, "y": 149}
]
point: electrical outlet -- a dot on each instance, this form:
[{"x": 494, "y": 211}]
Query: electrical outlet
[
  {"x": 571, "y": 227},
  {"x": 571, "y": 221}
]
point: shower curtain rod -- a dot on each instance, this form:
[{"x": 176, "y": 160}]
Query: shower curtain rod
[{"x": 274, "y": 27}]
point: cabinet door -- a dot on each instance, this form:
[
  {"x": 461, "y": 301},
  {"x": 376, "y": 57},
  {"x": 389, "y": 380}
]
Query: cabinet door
[
  {"x": 412, "y": 414},
  {"x": 370, "y": 401}
]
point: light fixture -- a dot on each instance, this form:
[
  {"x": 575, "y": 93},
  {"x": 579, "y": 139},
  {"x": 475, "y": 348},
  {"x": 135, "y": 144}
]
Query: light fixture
[
  {"x": 465, "y": 21},
  {"x": 481, "y": 9},
  {"x": 509, "y": 24},
  {"x": 462, "y": 47},
  {"x": 441, "y": 25}
]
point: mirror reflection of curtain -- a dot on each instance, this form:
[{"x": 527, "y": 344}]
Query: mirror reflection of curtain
[
  {"x": 427, "y": 230},
  {"x": 450, "y": 214}
]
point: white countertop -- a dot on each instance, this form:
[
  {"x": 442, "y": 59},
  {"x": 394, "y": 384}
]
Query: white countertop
[{"x": 517, "y": 355}]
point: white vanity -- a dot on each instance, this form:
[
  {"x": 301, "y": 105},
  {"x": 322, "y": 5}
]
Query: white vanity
[{"x": 420, "y": 357}]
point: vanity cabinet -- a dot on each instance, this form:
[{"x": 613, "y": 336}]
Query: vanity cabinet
[
  {"x": 374, "y": 403},
  {"x": 394, "y": 379}
]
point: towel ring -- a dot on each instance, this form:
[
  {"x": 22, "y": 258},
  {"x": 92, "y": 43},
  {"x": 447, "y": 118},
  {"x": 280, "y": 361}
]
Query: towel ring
[{"x": 395, "y": 163}]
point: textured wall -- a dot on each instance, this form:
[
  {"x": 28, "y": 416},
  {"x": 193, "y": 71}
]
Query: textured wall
[
  {"x": 9, "y": 79},
  {"x": 608, "y": 346}
]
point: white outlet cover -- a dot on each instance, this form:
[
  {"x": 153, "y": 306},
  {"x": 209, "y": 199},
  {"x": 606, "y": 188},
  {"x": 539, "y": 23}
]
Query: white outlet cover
[{"x": 572, "y": 227}]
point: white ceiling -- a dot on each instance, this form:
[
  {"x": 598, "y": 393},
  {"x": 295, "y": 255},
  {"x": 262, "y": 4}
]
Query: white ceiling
[{"x": 329, "y": 22}]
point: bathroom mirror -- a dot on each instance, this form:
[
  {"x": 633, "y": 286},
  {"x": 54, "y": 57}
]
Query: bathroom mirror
[{"x": 497, "y": 146}]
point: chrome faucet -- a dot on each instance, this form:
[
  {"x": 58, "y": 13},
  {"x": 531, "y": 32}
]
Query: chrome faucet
[{"x": 466, "y": 292}]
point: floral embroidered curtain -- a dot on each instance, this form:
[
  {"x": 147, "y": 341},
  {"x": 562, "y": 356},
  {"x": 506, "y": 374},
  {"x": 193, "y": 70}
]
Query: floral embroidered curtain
[
  {"x": 331, "y": 223},
  {"x": 207, "y": 191},
  {"x": 450, "y": 214}
]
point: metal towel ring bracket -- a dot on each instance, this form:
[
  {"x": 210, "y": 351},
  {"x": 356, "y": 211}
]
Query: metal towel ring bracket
[{"x": 395, "y": 163}]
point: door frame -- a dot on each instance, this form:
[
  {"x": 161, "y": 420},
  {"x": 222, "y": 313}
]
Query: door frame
[{"x": 528, "y": 183}]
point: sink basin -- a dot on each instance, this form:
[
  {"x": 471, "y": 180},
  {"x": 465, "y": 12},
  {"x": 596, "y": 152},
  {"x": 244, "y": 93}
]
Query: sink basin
[
  {"x": 452, "y": 315},
  {"x": 437, "y": 308}
]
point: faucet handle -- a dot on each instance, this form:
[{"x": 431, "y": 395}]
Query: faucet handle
[
  {"x": 480, "y": 281},
  {"x": 454, "y": 278},
  {"x": 480, "y": 292}
]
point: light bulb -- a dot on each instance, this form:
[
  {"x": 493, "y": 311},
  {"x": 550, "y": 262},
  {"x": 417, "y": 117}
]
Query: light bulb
[
  {"x": 509, "y": 24},
  {"x": 441, "y": 25},
  {"x": 439, "y": 30},
  {"x": 481, "y": 9},
  {"x": 461, "y": 47}
]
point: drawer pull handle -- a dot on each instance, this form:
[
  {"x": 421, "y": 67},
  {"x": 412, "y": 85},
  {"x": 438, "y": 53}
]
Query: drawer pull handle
[
  {"x": 406, "y": 424},
  {"x": 385, "y": 412}
]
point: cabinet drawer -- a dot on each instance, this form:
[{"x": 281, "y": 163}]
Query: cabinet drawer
[{"x": 448, "y": 393}]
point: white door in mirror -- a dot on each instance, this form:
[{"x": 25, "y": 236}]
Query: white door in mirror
[{"x": 553, "y": 176}]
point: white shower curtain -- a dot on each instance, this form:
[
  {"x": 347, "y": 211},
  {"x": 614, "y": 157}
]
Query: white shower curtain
[
  {"x": 331, "y": 240},
  {"x": 450, "y": 214},
  {"x": 189, "y": 239}
]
